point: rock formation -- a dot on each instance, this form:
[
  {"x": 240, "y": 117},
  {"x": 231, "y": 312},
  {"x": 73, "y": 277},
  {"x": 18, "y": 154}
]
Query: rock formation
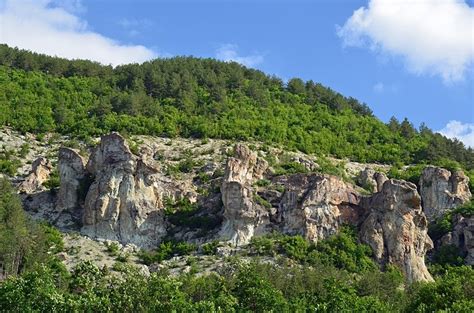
[
  {"x": 40, "y": 172},
  {"x": 462, "y": 236},
  {"x": 72, "y": 174},
  {"x": 243, "y": 216},
  {"x": 441, "y": 190},
  {"x": 371, "y": 180},
  {"x": 315, "y": 206},
  {"x": 124, "y": 202},
  {"x": 396, "y": 229}
]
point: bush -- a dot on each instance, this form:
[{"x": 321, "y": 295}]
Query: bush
[
  {"x": 448, "y": 255},
  {"x": 210, "y": 248},
  {"x": 53, "y": 181}
]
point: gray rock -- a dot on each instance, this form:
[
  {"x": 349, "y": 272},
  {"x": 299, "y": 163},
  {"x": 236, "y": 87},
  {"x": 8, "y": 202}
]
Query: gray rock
[
  {"x": 396, "y": 229},
  {"x": 442, "y": 190}
]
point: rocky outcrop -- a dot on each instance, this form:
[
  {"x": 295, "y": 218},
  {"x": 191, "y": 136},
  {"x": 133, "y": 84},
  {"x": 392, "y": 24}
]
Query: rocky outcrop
[
  {"x": 371, "y": 180},
  {"x": 396, "y": 229},
  {"x": 315, "y": 206},
  {"x": 442, "y": 190},
  {"x": 462, "y": 236},
  {"x": 125, "y": 200},
  {"x": 243, "y": 216},
  {"x": 72, "y": 174},
  {"x": 40, "y": 171}
]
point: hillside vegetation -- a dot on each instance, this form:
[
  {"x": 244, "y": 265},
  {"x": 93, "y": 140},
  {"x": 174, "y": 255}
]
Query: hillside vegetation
[{"x": 205, "y": 98}]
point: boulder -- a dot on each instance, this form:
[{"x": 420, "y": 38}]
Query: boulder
[
  {"x": 315, "y": 206},
  {"x": 72, "y": 174},
  {"x": 243, "y": 216},
  {"x": 396, "y": 229},
  {"x": 40, "y": 171},
  {"x": 442, "y": 190}
]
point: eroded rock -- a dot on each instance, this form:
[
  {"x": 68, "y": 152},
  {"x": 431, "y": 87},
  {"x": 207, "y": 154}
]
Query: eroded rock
[
  {"x": 462, "y": 236},
  {"x": 40, "y": 171},
  {"x": 371, "y": 180},
  {"x": 315, "y": 206},
  {"x": 442, "y": 190},
  {"x": 124, "y": 202},
  {"x": 396, "y": 229},
  {"x": 243, "y": 216},
  {"x": 72, "y": 174}
]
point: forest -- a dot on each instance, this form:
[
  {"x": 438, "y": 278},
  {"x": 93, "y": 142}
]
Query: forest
[{"x": 205, "y": 98}]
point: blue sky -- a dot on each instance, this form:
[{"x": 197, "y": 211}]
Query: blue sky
[{"x": 412, "y": 61}]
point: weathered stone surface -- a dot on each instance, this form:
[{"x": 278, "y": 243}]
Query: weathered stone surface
[
  {"x": 462, "y": 236},
  {"x": 243, "y": 216},
  {"x": 396, "y": 229},
  {"x": 40, "y": 170},
  {"x": 315, "y": 206},
  {"x": 369, "y": 178},
  {"x": 442, "y": 190},
  {"x": 124, "y": 202},
  {"x": 71, "y": 167}
]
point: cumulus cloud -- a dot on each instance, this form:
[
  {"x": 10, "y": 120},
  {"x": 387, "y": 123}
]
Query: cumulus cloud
[
  {"x": 462, "y": 131},
  {"x": 434, "y": 37},
  {"x": 228, "y": 52},
  {"x": 45, "y": 26}
]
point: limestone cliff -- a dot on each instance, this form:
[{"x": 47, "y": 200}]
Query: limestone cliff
[
  {"x": 396, "y": 229},
  {"x": 243, "y": 216},
  {"x": 315, "y": 206},
  {"x": 124, "y": 201},
  {"x": 442, "y": 190}
]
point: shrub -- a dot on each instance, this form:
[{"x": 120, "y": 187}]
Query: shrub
[{"x": 210, "y": 248}]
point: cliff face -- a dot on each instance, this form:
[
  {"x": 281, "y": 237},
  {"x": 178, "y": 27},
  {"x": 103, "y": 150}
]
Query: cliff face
[
  {"x": 124, "y": 201},
  {"x": 123, "y": 193},
  {"x": 396, "y": 229},
  {"x": 243, "y": 216},
  {"x": 442, "y": 190},
  {"x": 115, "y": 194}
]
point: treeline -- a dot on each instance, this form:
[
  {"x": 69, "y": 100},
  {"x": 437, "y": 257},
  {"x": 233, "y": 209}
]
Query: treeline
[{"x": 190, "y": 97}]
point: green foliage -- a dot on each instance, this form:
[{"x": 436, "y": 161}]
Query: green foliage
[
  {"x": 165, "y": 251},
  {"x": 53, "y": 181},
  {"x": 466, "y": 209},
  {"x": 452, "y": 289},
  {"x": 287, "y": 168},
  {"x": 210, "y": 248},
  {"x": 263, "y": 183},
  {"x": 23, "y": 243},
  {"x": 262, "y": 201},
  {"x": 206, "y": 98},
  {"x": 411, "y": 173},
  {"x": 112, "y": 248},
  {"x": 448, "y": 255},
  {"x": 340, "y": 250},
  {"x": 244, "y": 287},
  {"x": 8, "y": 163},
  {"x": 440, "y": 226}
]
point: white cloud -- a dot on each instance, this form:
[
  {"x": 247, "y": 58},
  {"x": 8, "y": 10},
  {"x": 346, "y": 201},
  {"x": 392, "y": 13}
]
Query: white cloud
[
  {"x": 461, "y": 131},
  {"x": 434, "y": 37},
  {"x": 228, "y": 52},
  {"x": 45, "y": 26}
]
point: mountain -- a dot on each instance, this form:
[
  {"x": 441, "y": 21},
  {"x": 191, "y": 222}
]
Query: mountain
[{"x": 190, "y": 184}]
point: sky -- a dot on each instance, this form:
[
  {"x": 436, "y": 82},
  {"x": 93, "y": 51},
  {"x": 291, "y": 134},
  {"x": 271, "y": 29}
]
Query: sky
[{"x": 404, "y": 58}]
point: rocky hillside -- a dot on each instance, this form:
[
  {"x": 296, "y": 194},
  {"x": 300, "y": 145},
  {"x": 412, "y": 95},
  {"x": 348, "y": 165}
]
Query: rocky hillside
[{"x": 143, "y": 191}]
